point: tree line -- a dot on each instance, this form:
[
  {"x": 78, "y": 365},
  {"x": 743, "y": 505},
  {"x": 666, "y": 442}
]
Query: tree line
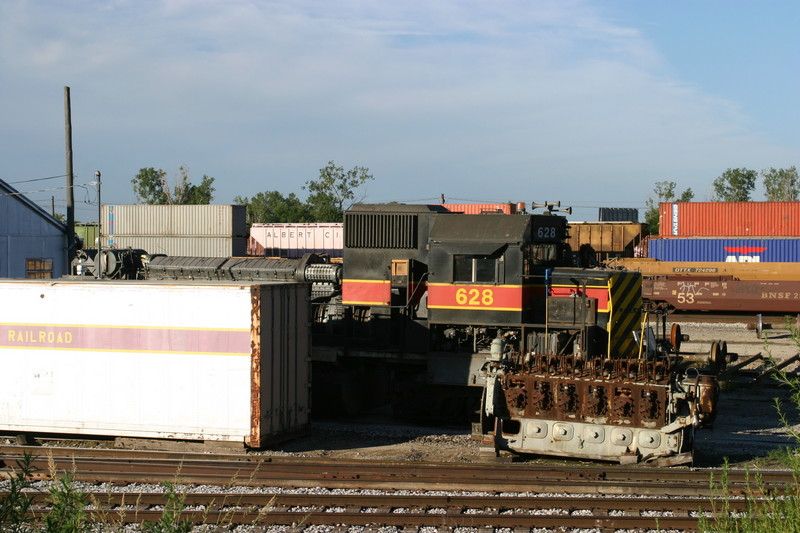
[
  {"x": 335, "y": 190},
  {"x": 733, "y": 185}
]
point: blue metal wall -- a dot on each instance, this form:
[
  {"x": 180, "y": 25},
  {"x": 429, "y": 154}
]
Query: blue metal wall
[
  {"x": 28, "y": 232},
  {"x": 726, "y": 250}
]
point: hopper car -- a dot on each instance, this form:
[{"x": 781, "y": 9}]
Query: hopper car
[{"x": 486, "y": 316}]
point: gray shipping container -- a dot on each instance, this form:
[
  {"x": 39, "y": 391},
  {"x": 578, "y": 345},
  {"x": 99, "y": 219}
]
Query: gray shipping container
[
  {"x": 174, "y": 220},
  {"x": 186, "y": 246}
]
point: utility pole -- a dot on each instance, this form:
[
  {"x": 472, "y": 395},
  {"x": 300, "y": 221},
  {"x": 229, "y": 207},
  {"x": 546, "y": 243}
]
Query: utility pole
[
  {"x": 70, "y": 182},
  {"x": 99, "y": 262}
]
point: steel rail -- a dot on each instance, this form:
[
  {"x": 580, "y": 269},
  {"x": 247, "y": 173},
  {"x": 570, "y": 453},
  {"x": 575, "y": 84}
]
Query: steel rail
[
  {"x": 127, "y": 467},
  {"x": 442, "y": 521},
  {"x": 423, "y": 501},
  {"x": 403, "y": 510}
]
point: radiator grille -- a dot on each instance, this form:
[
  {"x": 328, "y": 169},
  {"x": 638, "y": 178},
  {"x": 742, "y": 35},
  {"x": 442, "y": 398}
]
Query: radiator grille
[{"x": 368, "y": 230}]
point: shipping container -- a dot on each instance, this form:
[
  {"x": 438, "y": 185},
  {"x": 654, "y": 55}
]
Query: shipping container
[
  {"x": 294, "y": 240},
  {"x": 725, "y": 250},
  {"x": 607, "y": 239},
  {"x": 218, "y": 362},
  {"x": 618, "y": 214},
  {"x": 506, "y": 208},
  {"x": 88, "y": 234},
  {"x": 187, "y": 246},
  {"x": 729, "y": 219},
  {"x": 174, "y": 220}
]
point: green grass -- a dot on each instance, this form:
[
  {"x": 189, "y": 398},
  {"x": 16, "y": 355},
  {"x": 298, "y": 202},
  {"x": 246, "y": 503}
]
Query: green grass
[{"x": 767, "y": 510}]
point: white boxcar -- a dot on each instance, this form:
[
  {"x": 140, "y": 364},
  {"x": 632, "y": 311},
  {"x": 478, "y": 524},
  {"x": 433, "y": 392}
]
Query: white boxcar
[
  {"x": 295, "y": 239},
  {"x": 224, "y": 362}
]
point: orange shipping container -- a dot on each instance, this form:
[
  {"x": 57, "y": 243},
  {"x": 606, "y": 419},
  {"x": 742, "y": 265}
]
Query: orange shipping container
[
  {"x": 729, "y": 219},
  {"x": 477, "y": 209}
]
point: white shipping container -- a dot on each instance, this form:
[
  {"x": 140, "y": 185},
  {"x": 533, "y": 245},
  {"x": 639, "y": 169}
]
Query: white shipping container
[
  {"x": 184, "y": 246},
  {"x": 174, "y": 220},
  {"x": 294, "y": 240},
  {"x": 225, "y": 362}
]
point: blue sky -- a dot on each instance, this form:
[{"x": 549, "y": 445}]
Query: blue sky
[{"x": 586, "y": 102}]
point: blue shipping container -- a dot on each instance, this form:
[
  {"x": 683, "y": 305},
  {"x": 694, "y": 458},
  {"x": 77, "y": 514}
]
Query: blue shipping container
[{"x": 725, "y": 250}]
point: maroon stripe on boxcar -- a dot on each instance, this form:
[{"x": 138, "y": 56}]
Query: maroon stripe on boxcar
[{"x": 126, "y": 339}]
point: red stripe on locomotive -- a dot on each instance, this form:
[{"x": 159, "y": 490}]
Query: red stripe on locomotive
[
  {"x": 366, "y": 292},
  {"x": 494, "y": 297},
  {"x": 600, "y": 293}
]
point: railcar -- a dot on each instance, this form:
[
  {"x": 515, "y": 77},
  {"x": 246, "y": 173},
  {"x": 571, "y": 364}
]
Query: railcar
[
  {"x": 485, "y": 316},
  {"x": 754, "y": 287}
]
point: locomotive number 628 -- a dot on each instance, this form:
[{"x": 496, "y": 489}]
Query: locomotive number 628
[{"x": 475, "y": 297}]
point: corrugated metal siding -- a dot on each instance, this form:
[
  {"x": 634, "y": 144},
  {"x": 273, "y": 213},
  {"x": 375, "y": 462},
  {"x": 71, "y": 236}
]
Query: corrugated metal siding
[
  {"x": 730, "y": 219},
  {"x": 294, "y": 240},
  {"x": 188, "y": 246},
  {"x": 605, "y": 236},
  {"x": 618, "y": 214},
  {"x": 175, "y": 220},
  {"x": 28, "y": 234},
  {"x": 284, "y": 347},
  {"x": 725, "y": 250},
  {"x": 88, "y": 233},
  {"x": 477, "y": 209}
]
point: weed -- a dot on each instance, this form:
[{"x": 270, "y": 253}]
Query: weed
[
  {"x": 170, "y": 521},
  {"x": 15, "y": 504},
  {"x": 766, "y": 510},
  {"x": 68, "y": 507}
]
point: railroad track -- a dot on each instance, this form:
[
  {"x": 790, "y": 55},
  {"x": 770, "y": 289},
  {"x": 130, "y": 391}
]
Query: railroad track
[
  {"x": 252, "y": 470},
  {"x": 408, "y": 511},
  {"x": 401, "y": 494}
]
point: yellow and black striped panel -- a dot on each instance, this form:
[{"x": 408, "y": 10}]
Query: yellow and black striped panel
[{"x": 625, "y": 305}]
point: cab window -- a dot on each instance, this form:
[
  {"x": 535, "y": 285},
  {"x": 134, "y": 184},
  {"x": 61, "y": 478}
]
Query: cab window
[{"x": 474, "y": 269}]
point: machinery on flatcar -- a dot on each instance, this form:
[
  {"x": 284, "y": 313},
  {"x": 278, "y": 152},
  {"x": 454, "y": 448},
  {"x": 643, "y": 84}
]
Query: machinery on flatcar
[{"x": 445, "y": 313}]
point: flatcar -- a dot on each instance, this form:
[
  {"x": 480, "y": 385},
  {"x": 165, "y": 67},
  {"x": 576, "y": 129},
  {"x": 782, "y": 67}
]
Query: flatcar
[{"x": 752, "y": 287}]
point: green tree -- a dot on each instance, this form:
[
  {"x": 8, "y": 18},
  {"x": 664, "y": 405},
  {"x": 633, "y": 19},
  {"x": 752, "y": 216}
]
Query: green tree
[
  {"x": 272, "y": 206},
  {"x": 152, "y": 187},
  {"x": 782, "y": 184},
  {"x": 734, "y": 185},
  {"x": 664, "y": 192},
  {"x": 334, "y": 191}
]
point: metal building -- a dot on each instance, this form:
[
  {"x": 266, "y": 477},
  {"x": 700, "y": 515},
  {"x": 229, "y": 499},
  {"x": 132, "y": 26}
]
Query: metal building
[{"x": 32, "y": 242}]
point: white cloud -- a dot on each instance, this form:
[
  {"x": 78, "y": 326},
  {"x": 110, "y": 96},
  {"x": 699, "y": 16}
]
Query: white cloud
[{"x": 498, "y": 101}]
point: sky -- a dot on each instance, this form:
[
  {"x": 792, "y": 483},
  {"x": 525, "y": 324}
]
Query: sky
[{"x": 586, "y": 102}]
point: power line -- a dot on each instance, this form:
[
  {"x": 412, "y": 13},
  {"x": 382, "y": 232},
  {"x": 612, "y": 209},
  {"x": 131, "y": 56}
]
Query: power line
[
  {"x": 37, "y": 179},
  {"x": 20, "y": 193}
]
